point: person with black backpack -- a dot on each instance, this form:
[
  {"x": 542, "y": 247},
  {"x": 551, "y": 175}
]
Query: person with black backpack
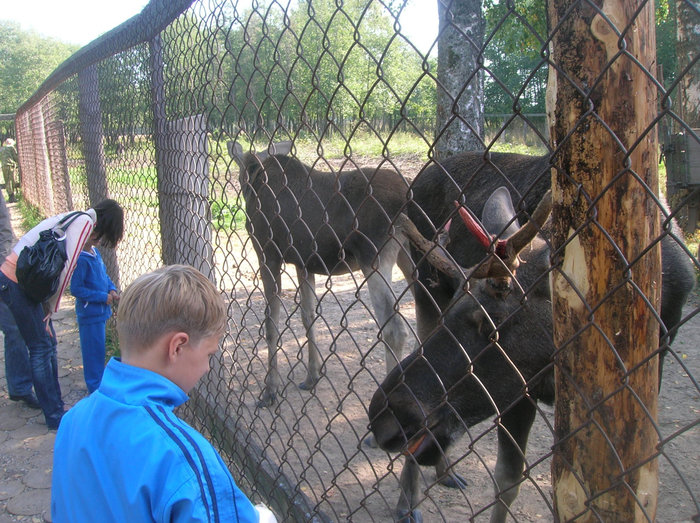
[{"x": 71, "y": 230}]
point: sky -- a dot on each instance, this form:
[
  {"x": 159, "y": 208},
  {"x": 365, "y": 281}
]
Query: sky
[
  {"x": 75, "y": 22},
  {"x": 79, "y": 22}
]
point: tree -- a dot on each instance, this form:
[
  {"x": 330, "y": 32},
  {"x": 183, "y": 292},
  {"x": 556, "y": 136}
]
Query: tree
[
  {"x": 124, "y": 87},
  {"x": 320, "y": 68},
  {"x": 460, "y": 109},
  {"x": 516, "y": 77},
  {"x": 666, "y": 39},
  {"x": 26, "y": 59},
  {"x": 687, "y": 52}
]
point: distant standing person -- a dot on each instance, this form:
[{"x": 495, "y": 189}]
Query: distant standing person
[
  {"x": 94, "y": 293},
  {"x": 34, "y": 319},
  {"x": 9, "y": 160},
  {"x": 122, "y": 454},
  {"x": 17, "y": 369}
]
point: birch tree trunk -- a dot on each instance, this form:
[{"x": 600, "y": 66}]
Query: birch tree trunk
[
  {"x": 602, "y": 106},
  {"x": 460, "y": 90}
]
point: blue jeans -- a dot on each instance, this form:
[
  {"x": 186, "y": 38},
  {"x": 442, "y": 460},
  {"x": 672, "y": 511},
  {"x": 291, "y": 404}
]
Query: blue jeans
[
  {"x": 17, "y": 369},
  {"x": 42, "y": 348},
  {"x": 92, "y": 347}
]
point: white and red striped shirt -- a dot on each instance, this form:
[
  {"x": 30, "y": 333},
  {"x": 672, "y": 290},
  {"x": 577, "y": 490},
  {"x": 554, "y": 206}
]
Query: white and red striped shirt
[{"x": 77, "y": 234}]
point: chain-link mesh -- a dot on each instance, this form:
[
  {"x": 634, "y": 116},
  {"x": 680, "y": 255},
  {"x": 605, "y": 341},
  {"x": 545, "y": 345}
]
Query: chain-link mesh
[{"x": 149, "y": 115}]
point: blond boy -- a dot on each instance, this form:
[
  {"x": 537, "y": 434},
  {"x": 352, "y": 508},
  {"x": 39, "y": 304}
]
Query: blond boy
[{"x": 121, "y": 454}]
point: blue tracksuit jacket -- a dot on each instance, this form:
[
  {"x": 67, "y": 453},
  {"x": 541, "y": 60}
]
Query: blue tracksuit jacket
[
  {"x": 90, "y": 285},
  {"x": 122, "y": 455}
]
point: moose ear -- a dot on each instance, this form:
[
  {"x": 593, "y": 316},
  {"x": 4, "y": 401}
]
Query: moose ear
[
  {"x": 498, "y": 214},
  {"x": 281, "y": 147},
  {"x": 235, "y": 150}
]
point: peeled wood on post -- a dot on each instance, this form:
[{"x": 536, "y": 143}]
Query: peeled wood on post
[{"x": 602, "y": 105}]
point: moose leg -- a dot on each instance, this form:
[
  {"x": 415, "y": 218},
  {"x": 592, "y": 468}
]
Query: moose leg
[
  {"x": 390, "y": 321},
  {"x": 447, "y": 477},
  {"x": 307, "y": 288},
  {"x": 271, "y": 277},
  {"x": 408, "y": 493},
  {"x": 391, "y": 324},
  {"x": 406, "y": 265},
  {"x": 512, "y": 440}
]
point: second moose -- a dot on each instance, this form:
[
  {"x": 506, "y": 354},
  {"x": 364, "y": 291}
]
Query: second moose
[{"x": 322, "y": 223}]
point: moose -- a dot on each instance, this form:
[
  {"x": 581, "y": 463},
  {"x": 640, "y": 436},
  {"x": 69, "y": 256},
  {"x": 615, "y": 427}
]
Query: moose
[
  {"x": 322, "y": 223},
  {"x": 491, "y": 354},
  {"x": 470, "y": 178}
]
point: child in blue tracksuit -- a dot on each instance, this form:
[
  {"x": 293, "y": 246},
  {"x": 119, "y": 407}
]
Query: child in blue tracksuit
[
  {"x": 121, "y": 454},
  {"x": 95, "y": 293}
]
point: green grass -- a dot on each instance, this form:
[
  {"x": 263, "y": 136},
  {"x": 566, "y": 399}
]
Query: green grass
[
  {"x": 366, "y": 143},
  {"x": 111, "y": 340},
  {"x": 226, "y": 217},
  {"x": 141, "y": 177},
  {"x": 31, "y": 216}
]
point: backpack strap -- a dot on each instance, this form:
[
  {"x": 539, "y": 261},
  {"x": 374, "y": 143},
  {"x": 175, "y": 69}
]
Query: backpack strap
[{"x": 67, "y": 220}]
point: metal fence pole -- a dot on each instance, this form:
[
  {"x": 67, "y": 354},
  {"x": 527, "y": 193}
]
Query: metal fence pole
[
  {"x": 160, "y": 141},
  {"x": 93, "y": 136},
  {"x": 92, "y": 133},
  {"x": 42, "y": 178}
]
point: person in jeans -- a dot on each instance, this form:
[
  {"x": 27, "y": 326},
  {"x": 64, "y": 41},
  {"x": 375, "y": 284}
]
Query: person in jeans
[
  {"x": 122, "y": 454},
  {"x": 106, "y": 220},
  {"x": 18, "y": 373}
]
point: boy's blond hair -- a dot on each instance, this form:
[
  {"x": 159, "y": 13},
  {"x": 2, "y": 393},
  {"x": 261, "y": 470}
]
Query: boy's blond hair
[{"x": 172, "y": 298}]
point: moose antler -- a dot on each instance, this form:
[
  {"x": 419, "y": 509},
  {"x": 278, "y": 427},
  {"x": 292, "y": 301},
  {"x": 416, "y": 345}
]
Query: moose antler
[{"x": 503, "y": 258}]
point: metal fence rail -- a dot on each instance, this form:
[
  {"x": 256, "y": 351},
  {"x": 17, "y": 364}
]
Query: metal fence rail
[{"x": 145, "y": 115}]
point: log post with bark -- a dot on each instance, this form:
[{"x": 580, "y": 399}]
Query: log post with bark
[{"x": 602, "y": 105}]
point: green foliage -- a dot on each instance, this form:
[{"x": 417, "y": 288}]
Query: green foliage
[
  {"x": 125, "y": 88},
  {"x": 517, "y": 74},
  {"x": 516, "y": 70},
  {"x": 666, "y": 40},
  {"x": 309, "y": 70},
  {"x": 26, "y": 59}
]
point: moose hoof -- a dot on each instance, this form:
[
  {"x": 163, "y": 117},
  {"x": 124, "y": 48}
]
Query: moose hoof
[
  {"x": 453, "y": 481},
  {"x": 308, "y": 384},
  {"x": 267, "y": 399},
  {"x": 371, "y": 442},
  {"x": 412, "y": 516}
]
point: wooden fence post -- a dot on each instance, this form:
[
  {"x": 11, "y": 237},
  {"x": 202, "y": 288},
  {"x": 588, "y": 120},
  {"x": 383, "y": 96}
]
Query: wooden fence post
[{"x": 602, "y": 105}]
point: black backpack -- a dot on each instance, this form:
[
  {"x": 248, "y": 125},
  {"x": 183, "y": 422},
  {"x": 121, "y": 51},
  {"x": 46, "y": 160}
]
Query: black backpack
[{"x": 39, "y": 266}]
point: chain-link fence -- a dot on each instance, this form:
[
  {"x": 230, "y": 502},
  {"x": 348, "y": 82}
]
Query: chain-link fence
[{"x": 324, "y": 289}]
